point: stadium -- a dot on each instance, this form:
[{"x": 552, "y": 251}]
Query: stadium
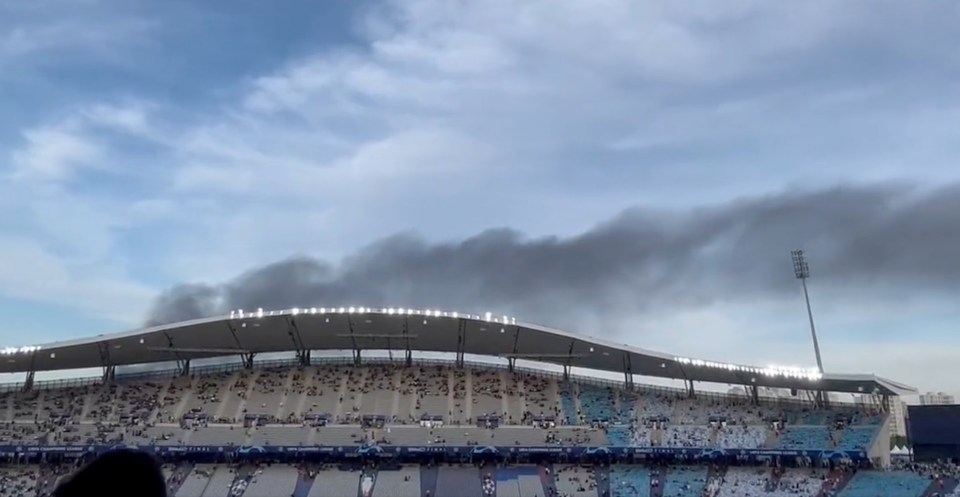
[{"x": 341, "y": 402}]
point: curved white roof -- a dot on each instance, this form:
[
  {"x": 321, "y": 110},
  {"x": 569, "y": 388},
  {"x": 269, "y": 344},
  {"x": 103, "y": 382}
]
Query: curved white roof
[{"x": 400, "y": 329}]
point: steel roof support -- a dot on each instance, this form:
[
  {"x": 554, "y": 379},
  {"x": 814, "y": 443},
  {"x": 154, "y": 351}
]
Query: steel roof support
[
  {"x": 754, "y": 393},
  {"x": 461, "y": 341},
  {"x": 408, "y": 351},
  {"x": 512, "y": 361},
  {"x": 303, "y": 354},
  {"x": 183, "y": 365},
  {"x": 109, "y": 370},
  {"x": 627, "y": 371},
  {"x": 247, "y": 357},
  {"x": 568, "y": 365},
  {"x": 688, "y": 383},
  {"x": 353, "y": 339},
  {"x": 28, "y": 381}
]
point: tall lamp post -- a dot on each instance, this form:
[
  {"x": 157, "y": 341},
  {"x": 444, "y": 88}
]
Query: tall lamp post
[{"x": 802, "y": 271}]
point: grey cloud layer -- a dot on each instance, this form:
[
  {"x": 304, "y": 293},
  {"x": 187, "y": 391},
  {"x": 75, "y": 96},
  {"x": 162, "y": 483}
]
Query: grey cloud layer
[{"x": 640, "y": 260}]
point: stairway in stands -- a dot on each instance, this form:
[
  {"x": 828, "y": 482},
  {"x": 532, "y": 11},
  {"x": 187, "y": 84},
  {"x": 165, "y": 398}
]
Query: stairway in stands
[
  {"x": 488, "y": 476},
  {"x": 716, "y": 474},
  {"x": 368, "y": 480},
  {"x": 546, "y": 478},
  {"x": 602, "y": 477},
  {"x": 304, "y": 483},
  {"x": 180, "y": 473},
  {"x": 657, "y": 475},
  {"x": 428, "y": 480},
  {"x": 773, "y": 482},
  {"x": 835, "y": 483},
  {"x": 949, "y": 485},
  {"x": 240, "y": 482}
]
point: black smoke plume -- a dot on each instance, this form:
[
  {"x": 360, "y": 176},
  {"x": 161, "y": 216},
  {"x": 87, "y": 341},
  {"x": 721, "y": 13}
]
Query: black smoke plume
[{"x": 639, "y": 261}]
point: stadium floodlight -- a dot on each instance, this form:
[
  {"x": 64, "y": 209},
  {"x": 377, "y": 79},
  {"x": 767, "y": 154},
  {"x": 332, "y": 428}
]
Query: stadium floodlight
[{"x": 802, "y": 271}]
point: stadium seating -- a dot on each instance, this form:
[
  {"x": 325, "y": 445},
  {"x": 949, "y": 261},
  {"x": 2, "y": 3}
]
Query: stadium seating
[
  {"x": 568, "y": 402},
  {"x": 597, "y": 404},
  {"x": 887, "y": 484},
  {"x": 735, "y": 437},
  {"x": 576, "y": 481},
  {"x": 629, "y": 481},
  {"x": 684, "y": 482},
  {"x": 404, "y": 482},
  {"x": 687, "y": 436},
  {"x": 274, "y": 405},
  {"x": 857, "y": 437},
  {"x": 805, "y": 437}
]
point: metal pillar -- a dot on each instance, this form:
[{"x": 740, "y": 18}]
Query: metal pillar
[
  {"x": 627, "y": 371},
  {"x": 691, "y": 393},
  {"x": 28, "y": 381},
  {"x": 248, "y": 359},
  {"x": 461, "y": 342},
  {"x": 183, "y": 365},
  {"x": 303, "y": 354},
  {"x": 303, "y": 357},
  {"x": 353, "y": 339},
  {"x": 511, "y": 363},
  {"x": 802, "y": 271},
  {"x": 408, "y": 351},
  {"x": 566, "y": 372},
  {"x": 106, "y": 363},
  {"x": 754, "y": 393}
]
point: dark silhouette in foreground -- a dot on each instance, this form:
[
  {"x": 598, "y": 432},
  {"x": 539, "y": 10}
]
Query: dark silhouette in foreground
[{"x": 117, "y": 473}]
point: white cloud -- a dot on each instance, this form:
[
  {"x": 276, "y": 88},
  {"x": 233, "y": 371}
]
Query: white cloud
[
  {"x": 453, "y": 117},
  {"x": 54, "y": 153},
  {"x": 39, "y": 275}
]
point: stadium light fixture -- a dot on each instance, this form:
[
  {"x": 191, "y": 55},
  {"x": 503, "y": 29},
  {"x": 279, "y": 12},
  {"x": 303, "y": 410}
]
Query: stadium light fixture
[
  {"x": 19, "y": 350},
  {"x": 770, "y": 370},
  {"x": 802, "y": 271}
]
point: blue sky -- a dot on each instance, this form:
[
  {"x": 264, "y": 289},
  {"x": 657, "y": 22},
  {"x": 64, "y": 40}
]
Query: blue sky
[{"x": 146, "y": 144}]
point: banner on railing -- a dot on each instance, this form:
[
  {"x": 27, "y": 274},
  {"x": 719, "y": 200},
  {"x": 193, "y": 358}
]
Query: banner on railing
[{"x": 393, "y": 451}]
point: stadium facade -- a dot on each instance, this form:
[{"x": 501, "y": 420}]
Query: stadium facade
[{"x": 359, "y": 407}]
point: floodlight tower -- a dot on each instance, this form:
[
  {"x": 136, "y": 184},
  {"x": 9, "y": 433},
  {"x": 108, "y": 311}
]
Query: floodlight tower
[{"x": 802, "y": 271}]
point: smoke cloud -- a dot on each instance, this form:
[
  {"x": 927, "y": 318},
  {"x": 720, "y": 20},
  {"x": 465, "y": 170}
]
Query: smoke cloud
[{"x": 642, "y": 259}]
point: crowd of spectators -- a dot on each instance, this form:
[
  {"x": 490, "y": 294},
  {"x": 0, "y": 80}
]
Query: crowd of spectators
[{"x": 252, "y": 406}]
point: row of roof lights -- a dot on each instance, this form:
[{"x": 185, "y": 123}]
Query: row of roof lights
[
  {"x": 19, "y": 350},
  {"x": 259, "y": 313},
  {"x": 785, "y": 371}
]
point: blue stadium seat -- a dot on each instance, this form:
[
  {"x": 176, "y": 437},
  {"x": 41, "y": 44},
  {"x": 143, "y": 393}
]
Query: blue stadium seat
[
  {"x": 805, "y": 437},
  {"x": 628, "y": 481},
  {"x": 857, "y": 438},
  {"x": 684, "y": 483},
  {"x": 597, "y": 403},
  {"x": 568, "y": 403},
  {"x": 886, "y": 484},
  {"x": 618, "y": 436}
]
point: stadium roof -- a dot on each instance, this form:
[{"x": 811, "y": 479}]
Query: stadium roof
[{"x": 401, "y": 329}]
